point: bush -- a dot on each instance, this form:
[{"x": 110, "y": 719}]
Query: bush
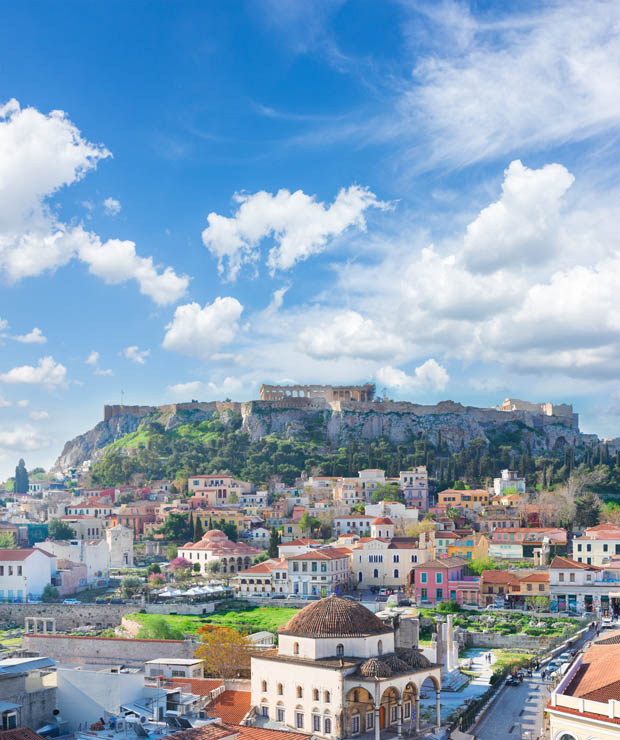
[
  {"x": 448, "y": 607},
  {"x": 534, "y": 631}
]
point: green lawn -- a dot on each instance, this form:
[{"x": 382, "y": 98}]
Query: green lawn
[{"x": 255, "y": 619}]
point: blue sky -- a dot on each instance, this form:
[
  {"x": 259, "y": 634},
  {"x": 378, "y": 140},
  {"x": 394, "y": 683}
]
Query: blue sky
[{"x": 196, "y": 198}]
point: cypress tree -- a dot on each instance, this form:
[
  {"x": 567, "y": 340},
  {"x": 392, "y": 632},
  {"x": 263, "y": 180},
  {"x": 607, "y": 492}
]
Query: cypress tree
[
  {"x": 21, "y": 478},
  {"x": 198, "y": 530},
  {"x": 274, "y": 541}
]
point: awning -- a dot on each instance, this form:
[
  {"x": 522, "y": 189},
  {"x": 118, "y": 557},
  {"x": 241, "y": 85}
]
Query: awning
[{"x": 6, "y": 706}]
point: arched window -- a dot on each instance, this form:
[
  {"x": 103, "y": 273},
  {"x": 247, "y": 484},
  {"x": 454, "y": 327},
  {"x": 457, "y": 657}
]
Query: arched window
[
  {"x": 356, "y": 696},
  {"x": 340, "y": 650},
  {"x": 280, "y": 689},
  {"x": 296, "y": 648},
  {"x": 396, "y": 574},
  {"x": 300, "y": 692},
  {"x": 327, "y": 697},
  {"x": 327, "y": 726},
  {"x": 315, "y": 694},
  {"x": 263, "y": 685},
  {"x": 380, "y": 647},
  {"x": 375, "y": 573}
]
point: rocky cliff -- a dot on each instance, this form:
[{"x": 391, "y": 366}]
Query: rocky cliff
[{"x": 338, "y": 423}]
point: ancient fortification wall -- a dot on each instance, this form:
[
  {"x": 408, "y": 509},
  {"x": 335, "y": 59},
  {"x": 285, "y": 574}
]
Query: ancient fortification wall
[{"x": 67, "y": 616}]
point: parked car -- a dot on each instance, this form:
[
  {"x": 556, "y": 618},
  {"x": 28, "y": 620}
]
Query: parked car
[
  {"x": 278, "y": 596},
  {"x": 607, "y": 623},
  {"x": 516, "y": 679},
  {"x": 293, "y": 596},
  {"x": 71, "y": 601},
  {"x": 405, "y": 602},
  {"x": 381, "y": 597},
  {"x": 313, "y": 597},
  {"x": 117, "y": 601},
  {"x": 100, "y": 601}
]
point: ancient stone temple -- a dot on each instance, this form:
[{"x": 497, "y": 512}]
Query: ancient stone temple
[{"x": 362, "y": 393}]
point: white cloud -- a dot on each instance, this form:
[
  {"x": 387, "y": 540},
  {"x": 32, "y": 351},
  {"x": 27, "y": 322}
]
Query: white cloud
[
  {"x": 184, "y": 390},
  {"x": 135, "y": 354},
  {"x": 348, "y": 334},
  {"x": 116, "y": 261},
  {"x": 228, "y": 387},
  {"x": 198, "y": 332},
  {"x": 23, "y": 403},
  {"x": 93, "y": 358},
  {"x": 299, "y": 225},
  {"x": 111, "y": 206},
  {"x": 4, "y": 403},
  {"x": 38, "y": 415},
  {"x": 559, "y": 63},
  {"x": 4, "y": 324},
  {"x": 39, "y": 155},
  {"x": 25, "y": 437},
  {"x": 276, "y": 302},
  {"x": 34, "y": 337},
  {"x": 47, "y": 372},
  {"x": 428, "y": 376},
  {"x": 101, "y": 371},
  {"x": 523, "y": 225}
]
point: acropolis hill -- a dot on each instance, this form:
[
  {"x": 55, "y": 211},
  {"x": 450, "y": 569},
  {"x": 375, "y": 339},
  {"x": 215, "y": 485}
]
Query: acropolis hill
[{"x": 335, "y": 415}]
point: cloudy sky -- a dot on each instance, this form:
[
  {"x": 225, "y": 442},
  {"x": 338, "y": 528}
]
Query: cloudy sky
[{"x": 196, "y": 198}]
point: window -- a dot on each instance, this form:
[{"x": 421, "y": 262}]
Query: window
[
  {"x": 264, "y": 710},
  {"x": 280, "y": 714},
  {"x": 588, "y": 548},
  {"x": 439, "y": 594},
  {"x": 1, "y": 570},
  {"x": 396, "y": 558},
  {"x": 327, "y": 727},
  {"x": 571, "y": 578},
  {"x": 370, "y": 720},
  {"x": 327, "y": 697},
  {"x": 339, "y": 650},
  {"x": 439, "y": 578},
  {"x": 605, "y": 547},
  {"x": 375, "y": 573},
  {"x": 541, "y": 586},
  {"x": 323, "y": 567},
  {"x": 295, "y": 567},
  {"x": 579, "y": 547},
  {"x": 315, "y": 566},
  {"x": 10, "y": 570},
  {"x": 423, "y": 577},
  {"x": 316, "y": 723},
  {"x": 394, "y": 714},
  {"x": 180, "y": 674},
  {"x": 424, "y": 594},
  {"x": 380, "y": 647},
  {"x": 299, "y": 720},
  {"x": 355, "y": 724},
  {"x": 453, "y": 595},
  {"x": 561, "y": 577},
  {"x": 296, "y": 648},
  {"x": 414, "y": 558},
  {"x": 300, "y": 692},
  {"x": 529, "y": 586},
  {"x": 315, "y": 696},
  {"x": 589, "y": 562},
  {"x": 263, "y": 685},
  {"x": 19, "y": 570},
  {"x": 407, "y": 710},
  {"x": 304, "y": 567}
]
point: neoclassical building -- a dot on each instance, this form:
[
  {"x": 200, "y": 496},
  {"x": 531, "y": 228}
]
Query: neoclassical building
[
  {"x": 338, "y": 673},
  {"x": 215, "y": 546}
]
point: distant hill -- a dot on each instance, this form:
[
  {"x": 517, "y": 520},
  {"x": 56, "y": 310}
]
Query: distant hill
[{"x": 258, "y": 439}]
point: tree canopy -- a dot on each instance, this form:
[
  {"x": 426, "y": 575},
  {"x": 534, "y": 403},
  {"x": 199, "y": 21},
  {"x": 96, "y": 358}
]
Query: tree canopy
[{"x": 59, "y": 530}]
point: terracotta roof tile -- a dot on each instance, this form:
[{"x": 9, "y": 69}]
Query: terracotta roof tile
[
  {"x": 213, "y": 731},
  {"x": 262, "y": 733},
  {"x": 198, "y": 686},
  {"x": 499, "y": 576},
  {"x": 230, "y": 706},
  {"x": 334, "y": 616},
  {"x": 20, "y": 733}
]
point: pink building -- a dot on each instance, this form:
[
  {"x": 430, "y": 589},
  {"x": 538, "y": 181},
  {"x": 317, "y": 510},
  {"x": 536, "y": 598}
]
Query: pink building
[
  {"x": 447, "y": 579},
  {"x": 523, "y": 534}
]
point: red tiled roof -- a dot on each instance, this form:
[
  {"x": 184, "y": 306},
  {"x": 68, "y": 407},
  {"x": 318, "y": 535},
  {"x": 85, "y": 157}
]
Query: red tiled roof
[
  {"x": 17, "y": 555},
  {"x": 262, "y": 733},
  {"x": 499, "y": 576},
  {"x": 559, "y": 562},
  {"x": 20, "y": 733},
  {"x": 299, "y": 542},
  {"x": 213, "y": 731},
  {"x": 542, "y": 577},
  {"x": 198, "y": 686},
  {"x": 598, "y": 677},
  {"x": 230, "y": 706},
  {"x": 326, "y": 553},
  {"x": 382, "y": 520}
]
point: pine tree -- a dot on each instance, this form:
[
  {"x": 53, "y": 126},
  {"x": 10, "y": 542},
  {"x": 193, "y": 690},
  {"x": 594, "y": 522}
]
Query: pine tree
[
  {"x": 274, "y": 541},
  {"x": 198, "y": 530},
  {"x": 21, "y": 478}
]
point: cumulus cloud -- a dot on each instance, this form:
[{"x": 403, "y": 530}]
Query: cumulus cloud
[
  {"x": 183, "y": 390},
  {"x": 428, "y": 376},
  {"x": 39, "y": 155},
  {"x": 298, "y": 224},
  {"x": 199, "y": 332},
  {"x": 93, "y": 358},
  {"x": 560, "y": 63},
  {"x": 38, "y": 415},
  {"x": 34, "y": 337},
  {"x": 523, "y": 225},
  {"x": 47, "y": 372},
  {"x": 25, "y": 437},
  {"x": 135, "y": 354},
  {"x": 348, "y": 334},
  {"x": 116, "y": 261},
  {"x": 111, "y": 206}
]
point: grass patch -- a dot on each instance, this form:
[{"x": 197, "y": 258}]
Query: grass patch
[{"x": 254, "y": 619}]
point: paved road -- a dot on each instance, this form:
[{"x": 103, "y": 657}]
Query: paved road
[{"x": 517, "y": 712}]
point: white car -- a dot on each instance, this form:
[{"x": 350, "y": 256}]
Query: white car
[{"x": 607, "y": 623}]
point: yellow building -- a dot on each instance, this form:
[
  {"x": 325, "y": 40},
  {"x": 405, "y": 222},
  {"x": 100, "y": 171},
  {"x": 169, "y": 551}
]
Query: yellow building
[
  {"x": 471, "y": 547},
  {"x": 471, "y": 499}
]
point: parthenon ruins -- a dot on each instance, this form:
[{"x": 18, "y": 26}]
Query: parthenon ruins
[{"x": 326, "y": 392}]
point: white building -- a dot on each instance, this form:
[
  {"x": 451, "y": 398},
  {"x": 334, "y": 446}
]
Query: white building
[
  {"x": 320, "y": 572},
  {"x": 174, "y": 668},
  {"x": 120, "y": 545},
  {"x": 598, "y": 545},
  {"x": 263, "y": 579},
  {"x": 94, "y": 554},
  {"x": 352, "y": 524},
  {"x": 25, "y": 573},
  {"x": 395, "y": 510},
  {"x": 337, "y": 672},
  {"x": 508, "y": 479},
  {"x": 298, "y": 547}
]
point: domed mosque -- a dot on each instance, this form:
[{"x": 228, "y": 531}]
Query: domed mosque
[{"x": 337, "y": 672}]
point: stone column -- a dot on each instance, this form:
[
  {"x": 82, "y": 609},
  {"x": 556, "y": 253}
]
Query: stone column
[
  {"x": 439, "y": 645},
  {"x": 377, "y": 724},
  {"x": 415, "y": 624},
  {"x": 399, "y": 718},
  {"x": 438, "y": 710},
  {"x": 417, "y": 713},
  {"x": 450, "y": 643}
]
